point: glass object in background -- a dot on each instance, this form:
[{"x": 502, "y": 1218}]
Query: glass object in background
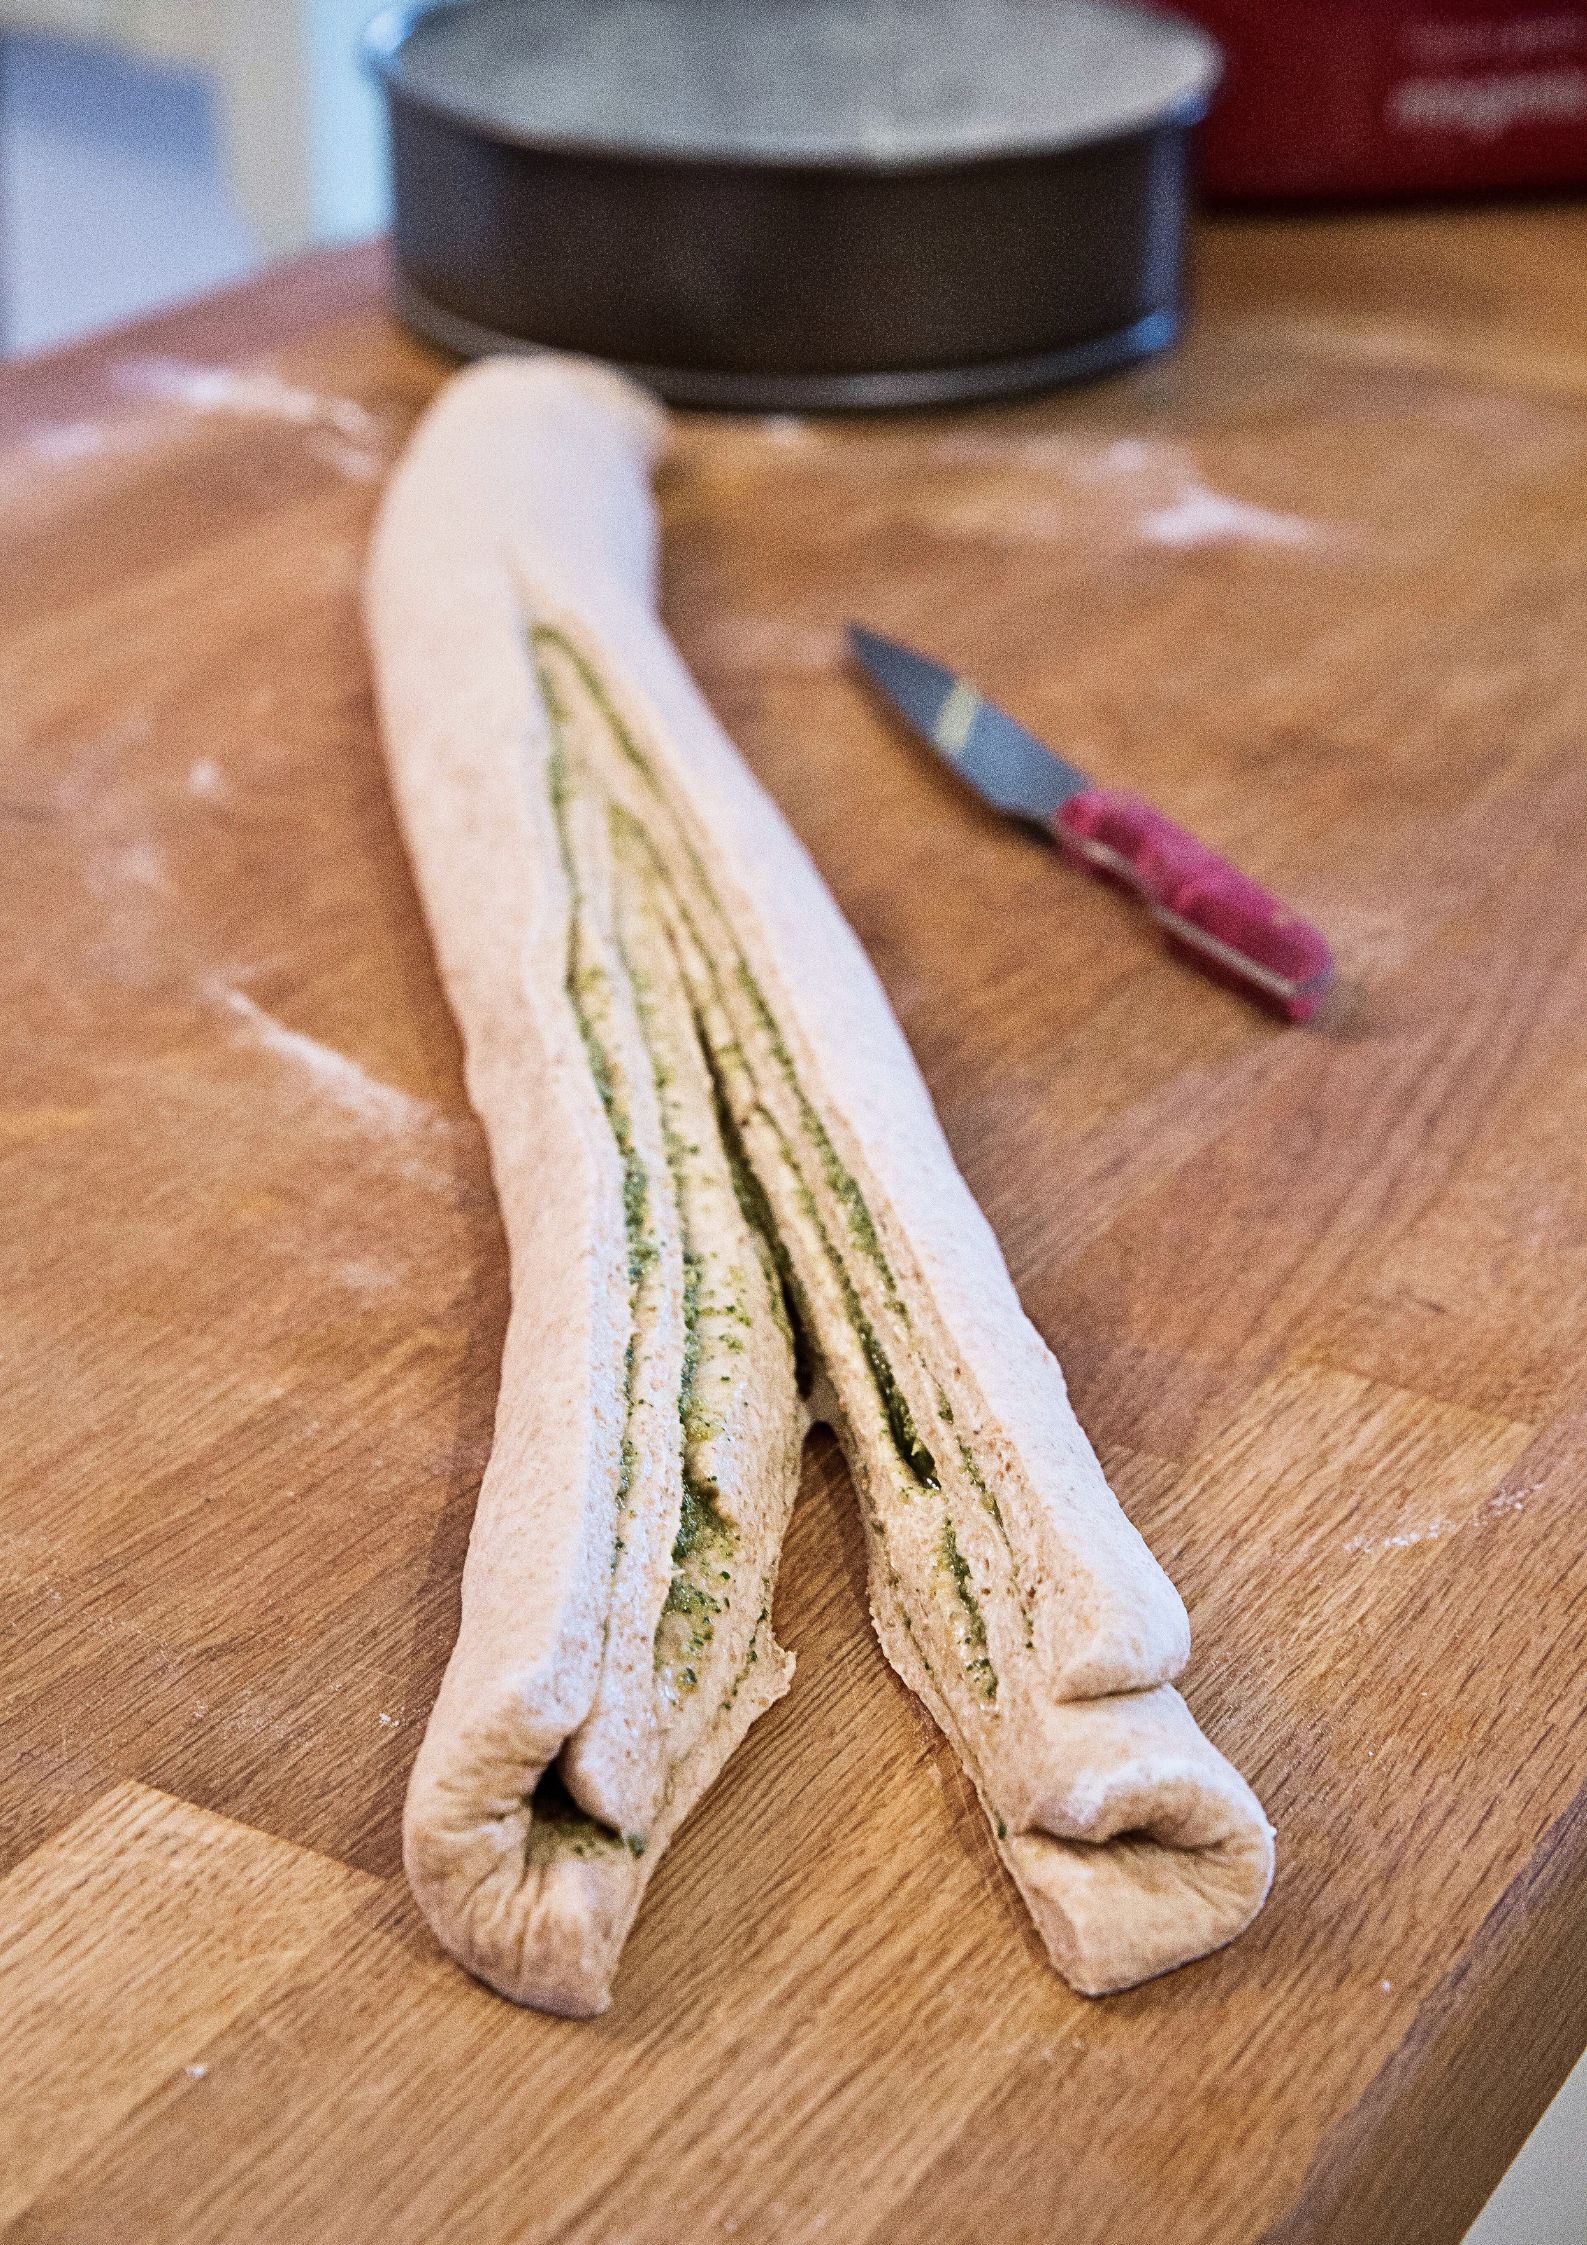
[
  {"x": 148, "y": 154},
  {"x": 113, "y": 194}
]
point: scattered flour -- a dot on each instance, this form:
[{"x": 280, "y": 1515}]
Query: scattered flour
[
  {"x": 206, "y": 780},
  {"x": 141, "y": 864},
  {"x": 225, "y": 389},
  {"x": 342, "y": 432},
  {"x": 366, "y": 1278},
  {"x": 1431, "y": 1531},
  {"x": 1132, "y": 485},
  {"x": 1174, "y": 506},
  {"x": 380, "y": 1106},
  {"x": 359, "y": 463},
  {"x": 348, "y": 436},
  {"x": 61, "y": 443},
  {"x": 1200, "y": 517}
]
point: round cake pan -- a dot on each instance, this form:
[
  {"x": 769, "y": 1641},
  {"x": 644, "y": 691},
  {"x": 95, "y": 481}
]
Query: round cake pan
[{"x": 795, "y": 204}]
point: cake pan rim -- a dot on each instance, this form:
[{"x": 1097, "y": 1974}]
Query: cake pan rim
[
  {"x": 875, "y": 390},
  {"x": 387, "y": 34}
]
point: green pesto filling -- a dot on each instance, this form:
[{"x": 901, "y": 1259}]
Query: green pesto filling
[
  {"x": 988, "y": 1496},
  {"x": 838, "y": 1176},
  {"x": 803, "y": 1324},
  {"x": 750, "y": 1658},
  {"x": 579, "y": 981},
  {"x": 557, "y": 1823},
  {"x": 700, "y": 1589},
  {"x": 697, "y": 1421},
  {"x": 692, "y": 1605},
  {"x": 913, "y": 1455},
  {"x": 861, "y": 1223},
  {"x": 972, "y": 1626},
  {"x": 756, "y": 1210},
  {"x": 583, "y": 982}
]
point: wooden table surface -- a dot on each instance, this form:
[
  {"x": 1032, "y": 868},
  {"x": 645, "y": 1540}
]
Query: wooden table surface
[{"x": 1317, "y": 586}]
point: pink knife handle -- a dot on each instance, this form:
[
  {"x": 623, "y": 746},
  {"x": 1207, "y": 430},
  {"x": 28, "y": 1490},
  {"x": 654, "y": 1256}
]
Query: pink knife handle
[{"x": 1230, "y": 925}]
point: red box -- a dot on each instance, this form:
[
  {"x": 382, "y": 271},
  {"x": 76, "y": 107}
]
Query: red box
[{"x": 1339, "y": 97}]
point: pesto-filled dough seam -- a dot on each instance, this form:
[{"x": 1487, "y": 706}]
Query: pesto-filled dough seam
[
  {"x": 1184, "y": 1851},
  {"x": 616, "y": 1641},
  {"x": 686, "y": 1578},
  {"x": 683, "y": 1673}
]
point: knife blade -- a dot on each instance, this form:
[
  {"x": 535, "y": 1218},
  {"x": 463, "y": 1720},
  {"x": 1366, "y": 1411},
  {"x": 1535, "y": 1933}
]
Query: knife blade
[{"x": 1222, "y": 920}]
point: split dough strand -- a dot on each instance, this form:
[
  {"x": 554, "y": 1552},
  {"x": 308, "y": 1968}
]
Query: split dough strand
[{"x": 722, "y": 1109}]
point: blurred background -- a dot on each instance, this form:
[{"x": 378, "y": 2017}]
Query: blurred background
[
  {"x": 153, "y": 149},
  {"x": 156, "y": 149}
]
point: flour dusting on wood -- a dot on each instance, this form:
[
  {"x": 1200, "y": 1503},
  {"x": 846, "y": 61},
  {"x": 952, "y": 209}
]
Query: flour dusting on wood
[
  {"x": 343, "y": 432},
  {"x": 206, "y": 780},
  {"x": 1051, "y": 484},
  {"x": 1197, "y": 516},
  {"x": 381, "y": 1106},
  {"x": 1432, "y": 1531}
]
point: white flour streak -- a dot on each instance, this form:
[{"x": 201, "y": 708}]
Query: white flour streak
[
  {"x": 1199, "y": 517},
  {"x": 378, "y": 1105},
  {"x": 1176, "y": 508},
  {"x": 1130, "y": 486},
  {"x": 206, "y": 780},
  {"x": 68, "y": 440},
  {"x": 63, "y": 442},
  {"x": 347, "y": 435},
  {"x": 360, "y": 463},
  {"x": 366, "y": 1278},
  {"x": 343, "y": 433},
  {"x": 225, "y": 389},
  {"x": 1429, "y": 1533},
  {"x": 141, "y": 864},
  {"x": 1505, "y": 1501}
]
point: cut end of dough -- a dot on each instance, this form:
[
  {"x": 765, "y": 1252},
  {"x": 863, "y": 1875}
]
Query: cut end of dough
[
  {"x": 543, "y": 1930},
  {"x": 536, "y": 1906},
  {"x": 527, "y": 1892},
  {"x": 1151, "y": 1849}
]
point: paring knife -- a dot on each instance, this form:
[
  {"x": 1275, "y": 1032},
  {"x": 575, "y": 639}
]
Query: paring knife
[{"x": 1226, "y": 922}]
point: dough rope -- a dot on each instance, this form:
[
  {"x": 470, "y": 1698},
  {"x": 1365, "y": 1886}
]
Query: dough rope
[{"x": 722, "y": 1183}]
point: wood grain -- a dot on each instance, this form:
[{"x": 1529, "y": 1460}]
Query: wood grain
[
  {"x": 136, "y": 1935},
  {"x": 1315, "y": 586}
]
